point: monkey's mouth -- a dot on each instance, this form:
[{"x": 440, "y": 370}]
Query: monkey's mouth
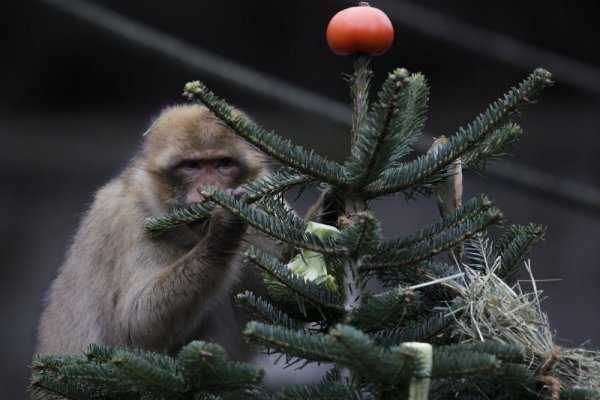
[{"x": 184, "y": 201}]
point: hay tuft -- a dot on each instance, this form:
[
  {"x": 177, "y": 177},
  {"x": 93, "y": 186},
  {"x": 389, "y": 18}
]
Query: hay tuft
[{"x": 495, "y": 311}]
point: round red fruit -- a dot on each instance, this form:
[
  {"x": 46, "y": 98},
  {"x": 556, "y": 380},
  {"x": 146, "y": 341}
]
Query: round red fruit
[{"x": 361, "y": 29}]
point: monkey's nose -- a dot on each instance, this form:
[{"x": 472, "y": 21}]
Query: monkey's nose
[{"x": 195, "y": 196}]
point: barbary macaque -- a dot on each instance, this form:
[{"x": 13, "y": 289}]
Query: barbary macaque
[{"x": 120, "y": 288}]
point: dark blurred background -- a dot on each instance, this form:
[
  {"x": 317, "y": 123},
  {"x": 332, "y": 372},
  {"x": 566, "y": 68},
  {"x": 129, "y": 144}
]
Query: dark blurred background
[{"x": 75, "y": 99}]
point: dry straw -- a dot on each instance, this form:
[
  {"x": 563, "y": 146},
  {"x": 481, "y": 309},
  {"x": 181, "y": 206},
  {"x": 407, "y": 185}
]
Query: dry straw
[{"x": 494, "y": 311}]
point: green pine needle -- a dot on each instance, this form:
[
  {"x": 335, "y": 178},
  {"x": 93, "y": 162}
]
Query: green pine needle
[
  {"x": 505, "y": 352},
  {"x": 104, "y": 373},
  {"x": 323, "y": 391},
  {"x": 492, "y": 147},
  {"x": 302, "y": 344},
  {"x": 308, "y": 291},
  {"x": 304, "y": 161},
  {"x": 353, "y": 349},
  {"x": 391, "y": 128},
  {"x": 148, "y": 374},
  {"x": 426, "y": 169},
  {"x": 253, "y": 216},
  {"x": 276, "y": 183},
  {"x": 280, "y": 210},
  {"x": 265, "y": 311},
  {"x": 269, "y": 225},
  {"x": 259, "y": 189},
  {"x": 385, "y": 310},
  {"x": 579, "y": 394},
  {"x": 423, "y": 330},
  {"x": 156, "y": 226},
  {"x": 514, "y": 245},
  {"x": 417, "y": 273},
  {"x": 206, "y": 367},
  {"x": 389, "y": 257},
  {"x": 448, "y": 364},
  {"x": 467, "y": 211},
  {"x": 362, "y": 235}
]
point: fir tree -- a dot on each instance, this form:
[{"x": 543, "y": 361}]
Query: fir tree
[{"x": 439, "y": 330}]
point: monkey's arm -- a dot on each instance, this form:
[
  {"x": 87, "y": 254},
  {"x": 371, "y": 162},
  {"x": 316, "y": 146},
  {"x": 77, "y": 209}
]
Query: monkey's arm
[
  {"x": 327, "y": 209},
  {"x": 165, "y": 304}
]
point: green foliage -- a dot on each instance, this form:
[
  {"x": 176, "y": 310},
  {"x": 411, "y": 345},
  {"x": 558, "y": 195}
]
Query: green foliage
[
  {"x": 492, "y": 147},
  {"x": 282, "y": 150},
  {"x": 291, "y": 342},
  {"x": 362, "y": 234},
  {"x": 391, "y": 127},
  {"x": 206, "y": 368},
  {"x": 466, "y": 212},
  {"x": 200, "y": 369},
  {"x": 428, "y": 169},
  {"x": 502, "y": 351},
  {"x": 265, "y": 311},
  {"x": 317, "y": 296},
  {"x": 416, "y": 330},
  {"x": 579, "y": 394},
  {"x": 157, "y": 225},
  {"x": 372, "y": 169},
  {"x": 514, "y": 245},
  {"x": 276, "y": 183},
  {"x": 324, "y": 391},
  {"x": 389, "y": 255},
  {"x": 384, "y": 311},
  {"x": 508, "y": 382}
]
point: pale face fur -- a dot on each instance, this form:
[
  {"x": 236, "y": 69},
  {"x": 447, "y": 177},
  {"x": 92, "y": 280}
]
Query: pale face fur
[{"x": 119, "y": 288}]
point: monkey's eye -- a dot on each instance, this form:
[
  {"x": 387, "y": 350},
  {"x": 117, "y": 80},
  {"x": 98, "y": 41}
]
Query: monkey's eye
[
  {"x": 190, "y": 164},
  {"x": 225, "y": 162}
]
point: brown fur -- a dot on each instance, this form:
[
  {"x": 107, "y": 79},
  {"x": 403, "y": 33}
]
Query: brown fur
[{"x": 118, "y": 287}]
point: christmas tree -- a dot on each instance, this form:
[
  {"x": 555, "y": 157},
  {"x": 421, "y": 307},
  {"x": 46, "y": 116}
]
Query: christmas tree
[{"x": 439, "y": 330}]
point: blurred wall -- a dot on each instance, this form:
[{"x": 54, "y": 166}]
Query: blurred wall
[{"x": 74, "y": 101}]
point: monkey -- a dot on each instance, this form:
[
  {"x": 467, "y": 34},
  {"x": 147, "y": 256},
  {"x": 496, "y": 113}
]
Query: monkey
[{"x": 117, "y": 287}]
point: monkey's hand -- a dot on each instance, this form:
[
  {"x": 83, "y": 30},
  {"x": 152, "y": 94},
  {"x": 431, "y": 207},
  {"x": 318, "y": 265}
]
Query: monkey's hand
[{"x": 226, "y": 229}]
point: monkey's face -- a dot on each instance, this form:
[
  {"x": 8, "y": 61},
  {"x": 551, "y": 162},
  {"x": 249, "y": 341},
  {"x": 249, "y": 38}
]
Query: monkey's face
[
  {"x": 217, "y": 168},
  {"x": 189, "y": 149}
]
